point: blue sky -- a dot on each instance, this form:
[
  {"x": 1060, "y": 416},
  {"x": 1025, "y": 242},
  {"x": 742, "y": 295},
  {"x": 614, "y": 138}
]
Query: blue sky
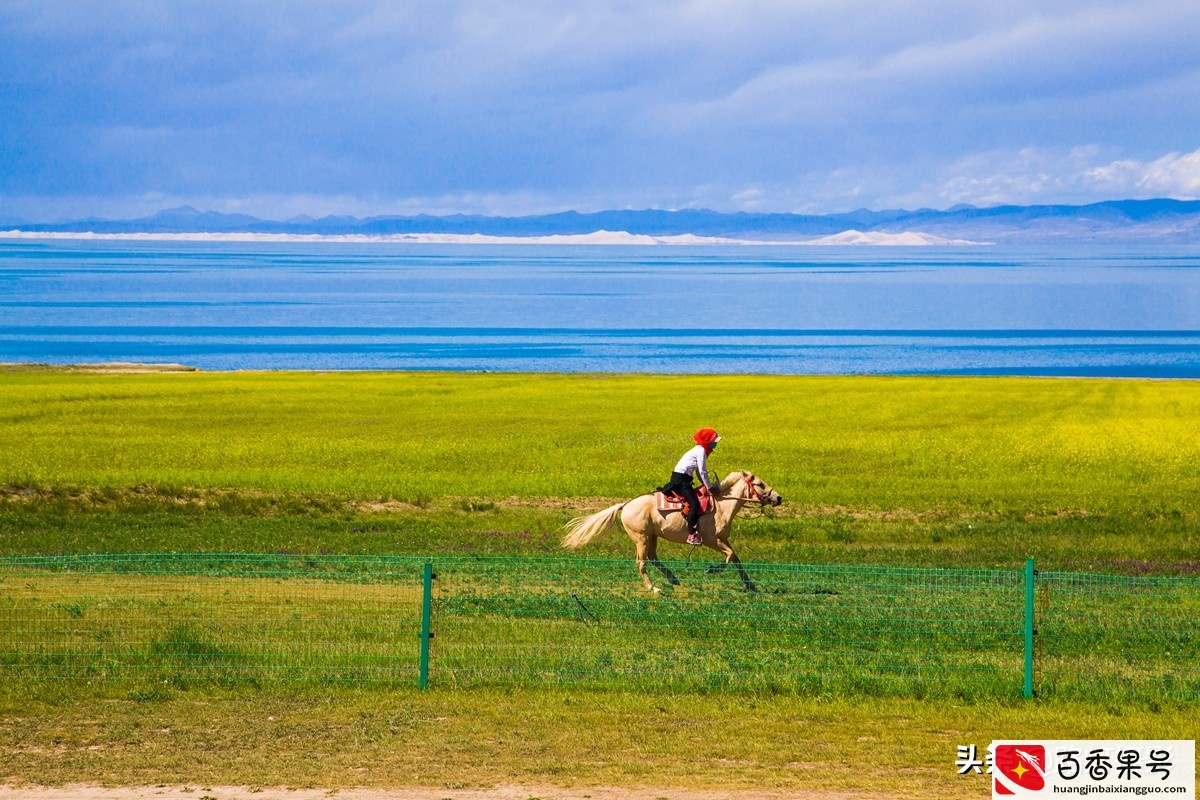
[{"x": 282, "y": 108}]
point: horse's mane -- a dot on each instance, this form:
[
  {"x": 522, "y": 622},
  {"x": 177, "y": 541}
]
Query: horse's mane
[{"x": 732, "y": 478}]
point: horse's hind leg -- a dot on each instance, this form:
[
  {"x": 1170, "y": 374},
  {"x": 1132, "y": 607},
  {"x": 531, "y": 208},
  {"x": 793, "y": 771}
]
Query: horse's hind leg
[
  {"x": 640, "y": 527},
  {"x": 643, "y": 555},
  {"x": 652, "y": 557}
]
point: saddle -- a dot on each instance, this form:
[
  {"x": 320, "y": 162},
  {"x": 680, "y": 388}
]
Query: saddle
[{"x": 667, "y": 503}]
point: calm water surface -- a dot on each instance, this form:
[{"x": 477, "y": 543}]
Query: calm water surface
[{"x": 1115, "y": 311}]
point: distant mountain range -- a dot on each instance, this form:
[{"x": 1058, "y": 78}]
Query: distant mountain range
[{"x": 1171, "y": 221}]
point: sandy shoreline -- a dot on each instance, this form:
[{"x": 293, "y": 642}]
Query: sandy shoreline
[
  {"x": 849, "y": 237},
  {"x": 511, "y": 792},
  {"x": 124, "y": 367}
]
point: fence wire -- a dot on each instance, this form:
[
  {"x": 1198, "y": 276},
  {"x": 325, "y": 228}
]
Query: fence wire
[
  {"x": 187, "y": 618},
  {"x": 1113, "y": 637},
  {"x": 809, "y": 629}
]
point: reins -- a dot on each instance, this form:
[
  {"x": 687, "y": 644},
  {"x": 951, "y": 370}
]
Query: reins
[{"x": 755, "y": 496}]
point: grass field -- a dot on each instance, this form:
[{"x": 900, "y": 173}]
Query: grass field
[
  {"x": 1090, "y": 475},
  {"x": 471, "y": 738},
  {"x": 1080, "y": 474}
]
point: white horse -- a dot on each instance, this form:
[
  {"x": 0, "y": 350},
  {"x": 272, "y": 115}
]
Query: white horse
[{"x": 645, "y": 524}]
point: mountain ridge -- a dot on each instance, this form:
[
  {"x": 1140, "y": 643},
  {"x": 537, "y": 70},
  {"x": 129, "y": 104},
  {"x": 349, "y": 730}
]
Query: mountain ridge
[{"x": 1163, "y": 219}]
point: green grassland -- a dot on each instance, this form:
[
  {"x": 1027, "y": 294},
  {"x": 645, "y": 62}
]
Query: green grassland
[
  {"x": 979, "y": 472},
  {"x": 1083, "y": 475}
]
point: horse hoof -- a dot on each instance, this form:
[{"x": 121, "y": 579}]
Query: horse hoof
[
  {"x": 751, "y": 589},
  {"x": 655, "y": 590}
]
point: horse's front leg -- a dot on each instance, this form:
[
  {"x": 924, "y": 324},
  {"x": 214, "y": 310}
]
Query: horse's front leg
[
  {"x": 750, "y": 587},
  {"x": 725, "y": 549}
]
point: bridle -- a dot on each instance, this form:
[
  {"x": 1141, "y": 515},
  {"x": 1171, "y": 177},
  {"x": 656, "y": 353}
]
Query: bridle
[{"x": 755, "y": 494}]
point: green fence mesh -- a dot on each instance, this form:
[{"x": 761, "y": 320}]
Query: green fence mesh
[
  {"x": 210, "y": 617},
  {"x": 807, "y": 629},
  {"x": 582, "y": 622},
  {"x": 1114, "y": 637}
]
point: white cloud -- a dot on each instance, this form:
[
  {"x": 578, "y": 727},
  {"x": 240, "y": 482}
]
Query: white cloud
[
  {"x": 1029, "y": 176},
  {"x": 1077, "y": 175},
  {"x": 371, "y": 106},
  {"x": 1174, "y": 175}
]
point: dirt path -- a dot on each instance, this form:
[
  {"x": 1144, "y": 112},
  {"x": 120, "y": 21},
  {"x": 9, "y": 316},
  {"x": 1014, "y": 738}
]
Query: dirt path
[{"x": 92, "y": 792}]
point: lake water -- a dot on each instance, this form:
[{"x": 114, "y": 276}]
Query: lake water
[{"x": 1102, "y": 311}]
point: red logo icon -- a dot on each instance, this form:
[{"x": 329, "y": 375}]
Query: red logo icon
[{"x": 1019, "y": 767}]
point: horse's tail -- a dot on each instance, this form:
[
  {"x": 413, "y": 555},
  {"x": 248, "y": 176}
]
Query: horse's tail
[{"x": 582, "y": 530}]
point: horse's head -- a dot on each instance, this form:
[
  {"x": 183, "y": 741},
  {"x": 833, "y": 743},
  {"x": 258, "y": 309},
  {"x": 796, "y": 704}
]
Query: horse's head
[{"x": 751, "y": 487}]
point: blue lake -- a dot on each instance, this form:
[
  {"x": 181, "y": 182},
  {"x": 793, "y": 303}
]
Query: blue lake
[{"x": 1099, "y": 311}]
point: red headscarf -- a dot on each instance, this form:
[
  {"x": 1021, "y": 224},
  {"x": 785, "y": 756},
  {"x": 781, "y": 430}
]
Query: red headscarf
[{"x": 706, "y": 437}]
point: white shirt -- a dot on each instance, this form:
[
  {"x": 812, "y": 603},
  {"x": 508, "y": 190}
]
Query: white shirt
[{"x": 695, "y": 462}]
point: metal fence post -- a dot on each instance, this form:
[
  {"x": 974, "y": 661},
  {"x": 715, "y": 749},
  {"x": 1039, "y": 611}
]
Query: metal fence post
[
  {"x": 426, "y": 623},
  {"x": 1029, "y": 598}
]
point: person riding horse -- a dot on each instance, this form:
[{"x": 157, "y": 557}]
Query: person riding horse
[
  {"x": 693, "y": 463},
  {"x": 646, "y": 524}
]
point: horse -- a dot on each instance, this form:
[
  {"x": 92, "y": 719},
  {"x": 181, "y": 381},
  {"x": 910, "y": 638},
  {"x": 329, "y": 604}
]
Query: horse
[{"x": 645, "y": 524}]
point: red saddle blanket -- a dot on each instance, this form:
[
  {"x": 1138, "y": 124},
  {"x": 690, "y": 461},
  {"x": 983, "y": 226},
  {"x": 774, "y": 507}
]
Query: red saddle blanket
[{"x": 673, "y": 502}]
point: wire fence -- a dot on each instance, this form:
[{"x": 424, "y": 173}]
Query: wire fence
[
  {"x": 472, "y": 621},
  {"x": 187, "y": 618},
  {"x": 808, "y": 629},
  {"x": 1115, "y": 637}
]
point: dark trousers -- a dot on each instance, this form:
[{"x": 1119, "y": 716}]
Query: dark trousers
[{"x": 681, "y": 484}]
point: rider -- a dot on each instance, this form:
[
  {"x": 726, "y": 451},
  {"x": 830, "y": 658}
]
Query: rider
[{"x": 694, "y": 462}]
